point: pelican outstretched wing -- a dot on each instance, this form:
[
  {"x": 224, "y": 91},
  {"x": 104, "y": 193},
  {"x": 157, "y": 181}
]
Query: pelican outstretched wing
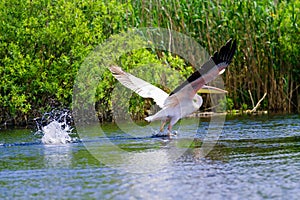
[
  {"x": 209, "y": 70},
  {"x": 141, "y": 87}
]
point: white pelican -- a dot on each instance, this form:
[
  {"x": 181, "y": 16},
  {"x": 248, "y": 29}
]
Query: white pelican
[{"x": 184, "y": 100}]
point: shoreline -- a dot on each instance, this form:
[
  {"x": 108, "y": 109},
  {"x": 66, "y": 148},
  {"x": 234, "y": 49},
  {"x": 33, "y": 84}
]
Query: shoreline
[
  {"x": 230, "y": 113},
  {"x": 207, "y": 114}
]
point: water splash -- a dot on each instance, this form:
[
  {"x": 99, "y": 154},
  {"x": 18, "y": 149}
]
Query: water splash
[
  {"x": 55, "y": 134},
  {"x": 55, "y": 127}
]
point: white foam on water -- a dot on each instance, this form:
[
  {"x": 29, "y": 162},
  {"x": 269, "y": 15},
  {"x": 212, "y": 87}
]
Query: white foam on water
[{"x": 56, "y": 133}]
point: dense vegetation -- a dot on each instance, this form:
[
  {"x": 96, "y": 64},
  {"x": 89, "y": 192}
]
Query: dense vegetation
[{"x": 43, "y": 43}]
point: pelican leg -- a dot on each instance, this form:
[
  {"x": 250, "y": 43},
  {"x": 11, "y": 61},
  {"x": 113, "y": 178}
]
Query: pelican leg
[
  {"x": 163, "y": 123},
  {"x": 170, "y": 130},
  {"x": 170, "y": 126}
]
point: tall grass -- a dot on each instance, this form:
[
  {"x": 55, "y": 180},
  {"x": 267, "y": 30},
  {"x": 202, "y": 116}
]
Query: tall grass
[{"x": 267, "y": 60}]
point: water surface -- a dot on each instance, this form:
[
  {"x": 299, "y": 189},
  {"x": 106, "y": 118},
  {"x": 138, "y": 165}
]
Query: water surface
[{"x": 256, "y": 157}]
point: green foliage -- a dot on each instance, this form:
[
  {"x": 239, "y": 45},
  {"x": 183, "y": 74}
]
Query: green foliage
[
  {"x": 43, "y": 44},
  {"x": 244, "y": 106},
  {"x": 225, "y": 104},
  {"x": 229, "y": 104}
]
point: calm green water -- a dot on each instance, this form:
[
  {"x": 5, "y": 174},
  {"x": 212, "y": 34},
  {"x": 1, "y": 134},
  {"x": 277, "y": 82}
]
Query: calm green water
[{"x": 255, "y": 157}]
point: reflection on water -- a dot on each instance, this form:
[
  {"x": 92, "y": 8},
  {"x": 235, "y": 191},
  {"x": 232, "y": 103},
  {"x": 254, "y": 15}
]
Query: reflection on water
[
  {"x": 256, "y": 157},
  {"x": 58, "y": 156}
]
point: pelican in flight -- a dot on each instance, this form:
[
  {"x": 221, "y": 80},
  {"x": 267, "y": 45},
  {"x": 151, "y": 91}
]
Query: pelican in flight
[{"x": 183, "y": 100}]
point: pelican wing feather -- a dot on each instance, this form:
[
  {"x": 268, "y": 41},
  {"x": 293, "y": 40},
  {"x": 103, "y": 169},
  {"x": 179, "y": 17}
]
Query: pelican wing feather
[{"x": 139, "y": 86}]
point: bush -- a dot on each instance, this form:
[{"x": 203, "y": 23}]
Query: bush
[{"x": 42, "y": 45}]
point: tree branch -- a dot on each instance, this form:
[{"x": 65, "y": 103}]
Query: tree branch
[{"x": 258, "y": 103}]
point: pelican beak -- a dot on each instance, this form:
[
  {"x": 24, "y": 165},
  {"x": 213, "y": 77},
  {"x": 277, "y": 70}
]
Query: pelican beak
[{"x": 211, "y": 90}]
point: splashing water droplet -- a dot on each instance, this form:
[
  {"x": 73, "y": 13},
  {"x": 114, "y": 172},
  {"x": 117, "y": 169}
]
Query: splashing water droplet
[
  {"x": 55, "y": 127},
  {"x": 55, "y": 134}
]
